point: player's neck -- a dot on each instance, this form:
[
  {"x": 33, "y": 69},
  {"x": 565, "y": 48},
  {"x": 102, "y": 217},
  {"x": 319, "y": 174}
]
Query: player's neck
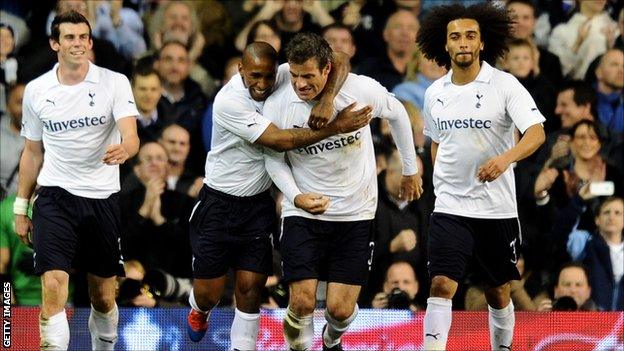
[
  {"x": 465, "y": 75},
  {"x": 69, "y": 74}
]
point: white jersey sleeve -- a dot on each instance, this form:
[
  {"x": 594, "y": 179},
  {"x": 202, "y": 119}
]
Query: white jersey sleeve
[
  {"x": 431, "y": 129},
  {"x": 283, "y": 75},
  {"x": 32, "y": 128},
  {"x": 520, "y": 105},
  {"x": 123, "y": 102},
  {"x": 248, "y": 123},
  {"x": 386, "y": 106}
]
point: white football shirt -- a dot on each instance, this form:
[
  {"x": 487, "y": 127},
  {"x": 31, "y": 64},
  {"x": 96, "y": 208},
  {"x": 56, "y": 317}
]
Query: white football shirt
[
  {"x": 235, "y": 165},
  {"x": 473, "y": 123},
  {"x": 341, "y": 167},
  {"x": 76, "y": 124}
]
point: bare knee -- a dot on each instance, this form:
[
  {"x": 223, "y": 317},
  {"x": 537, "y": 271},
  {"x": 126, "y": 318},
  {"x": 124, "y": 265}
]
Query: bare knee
[
  {"x": 102, "y": 298},
  {"x": 340, "y": 311},
  {"x": 443, "y": 287},
  {"x": 303, "y": 302},
  {"x": 499, "y": 296},
  {"x": 207, "y": 292},
  {"x": 248, "y": 296}
]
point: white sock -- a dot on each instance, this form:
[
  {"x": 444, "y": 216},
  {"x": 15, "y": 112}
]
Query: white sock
[
  {"x": 298, "y": 330},
  {"x": 194, "y": 306},
  {"x": 103, "y": 328},
  {"x": 335, "y": 328},
  {"x": 501, "y": 326},
  {"x": 244, "y": 330},
  {"x": 54, "y": 332},
  {"x": 437, "y": 323}
]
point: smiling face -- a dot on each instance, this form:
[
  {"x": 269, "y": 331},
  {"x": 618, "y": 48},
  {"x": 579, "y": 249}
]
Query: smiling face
[
  {"x": 73, "y": 44},
  {"x": 308, "y": 79},
  {"x": 585, "y": 143},
  {"x": 463, "y": 42},
  {"x": 258, "y": 76}
]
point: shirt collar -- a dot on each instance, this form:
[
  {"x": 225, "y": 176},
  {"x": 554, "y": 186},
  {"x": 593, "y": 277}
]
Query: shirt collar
[
  {"x": 484, "y": 76},
  {"x": 93, "y": 74}
]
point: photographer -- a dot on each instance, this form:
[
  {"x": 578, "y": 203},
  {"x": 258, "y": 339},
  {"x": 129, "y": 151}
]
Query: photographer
[
  {"x": 399, "y": 289},
  {"x": 572, "y": 292}
]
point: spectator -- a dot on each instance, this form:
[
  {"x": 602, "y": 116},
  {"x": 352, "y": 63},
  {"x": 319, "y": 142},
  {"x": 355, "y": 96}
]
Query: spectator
[
  {"x": 400, "y": 37},
  {"x": 267, "y": 32},
  {"x": 583, "y": 38},
  {"x": 602, "y": 250},
  {"x": 11, "y": 143},
  {"x": 182, "y": 95},
  {"x": 155, "y": 218},
  {"x": 176, "y": 21},
  {"x": 619, "y": 42},
  {"x": 475, "y": 295},
  {"x": 176, "y": 141},
  {"x": 8, "y": 63},
  {"x": 16, "y": 261},
  {"x": 290, "y": 17},
  {"x": 427, "y": 71},
  {"x": 572, "y": 292},
  {"x": 523, "y": 12},
  {"x": 340, "y": 38},
  {"x": 610, "y": 81},
  {"x": 576, "y": 101},
  {"x": 153, "y": 114},
  {"x": 399, "y": 289},
  {"x": 398, "y": 228},
  {"x": 522, "y": 62}
]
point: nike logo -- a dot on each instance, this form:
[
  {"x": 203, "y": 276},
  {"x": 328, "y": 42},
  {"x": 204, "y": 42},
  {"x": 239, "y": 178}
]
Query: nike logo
[
  {"x": 296, "y": 126},
  {"x": 534, "y": 109},
  {"x": 251, "y": 124},
  {"x": 440, "y": 101},
  {"x": 435, "y": 336},
  {"x": 131, "y": 102},
  {"x": 505, "y": 347},
  {"x": 52, "y": 102}
]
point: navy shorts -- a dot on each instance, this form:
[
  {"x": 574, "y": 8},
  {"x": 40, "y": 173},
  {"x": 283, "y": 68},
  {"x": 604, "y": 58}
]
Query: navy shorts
[
  {"x": 73, "y": 231},
  {"x": 228, "y": 231},
  {"x": 490, "y": 245},
  {"x": 340, "y": 252}
]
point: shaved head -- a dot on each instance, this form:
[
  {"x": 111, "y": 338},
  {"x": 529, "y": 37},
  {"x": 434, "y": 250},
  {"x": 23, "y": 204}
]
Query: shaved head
[
  {"x": 258, "y": 69},
  {"x": 257, "y": 51}
]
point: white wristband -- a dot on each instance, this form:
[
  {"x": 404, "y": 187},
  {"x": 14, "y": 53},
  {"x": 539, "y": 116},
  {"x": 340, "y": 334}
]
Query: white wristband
[{"x": 20, "y": 206}]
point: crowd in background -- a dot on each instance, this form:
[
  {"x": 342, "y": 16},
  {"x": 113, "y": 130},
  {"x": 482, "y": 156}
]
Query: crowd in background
[{"x": 177, "y": 54}]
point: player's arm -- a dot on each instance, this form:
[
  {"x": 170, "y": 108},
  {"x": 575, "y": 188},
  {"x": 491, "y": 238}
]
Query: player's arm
[
  {"x": 29, "y": 168},
  {"x": 117, "y": 154},
  {"x": 281, "y": 174},
  {"x": 324, "y": 109},
  {"x": 533, "y": 137},
  {"x": 401, "y": 130},
  {"x": 347, "y": 121}
]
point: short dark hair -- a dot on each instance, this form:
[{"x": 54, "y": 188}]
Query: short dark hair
[
  {"x": 528, "y": 3},
  {"x": 494, "y": 25},
  {"x": 67, "y": 17},
  {"x": 583, "y": 92},
  {"x": 171, "y": 42},
  {"x": 143, "y": 70},
  {"x": 573, "y": 264},
  {"x": 593, "y": 125},
  {"x": 607, "y": 201},
  {"x": 253, "y": 31},
  {"x": 305, "y": 46},
  {"x": 336, "y": 25}
]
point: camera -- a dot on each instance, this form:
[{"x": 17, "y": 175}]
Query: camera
[
  {"x": 399, "y": 299},
  {"x": 564, "y": 303}
]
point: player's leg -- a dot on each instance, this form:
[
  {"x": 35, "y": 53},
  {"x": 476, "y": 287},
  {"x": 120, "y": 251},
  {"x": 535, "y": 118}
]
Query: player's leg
[
  {"x": 340, "y": 312},
  {"x": 299, "y": 320},
  {"x": 496, "y": 245},
  {"x": 248, "y": 294},
  {"x": 104, "y": 316},
  {"x": 54, "y": 246},
  {"x": 301, "y": 246},
  {"x": 204, "y": 297},
  {"x": 449, "y": 249},
  {"x": 100, "y": 235}
]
